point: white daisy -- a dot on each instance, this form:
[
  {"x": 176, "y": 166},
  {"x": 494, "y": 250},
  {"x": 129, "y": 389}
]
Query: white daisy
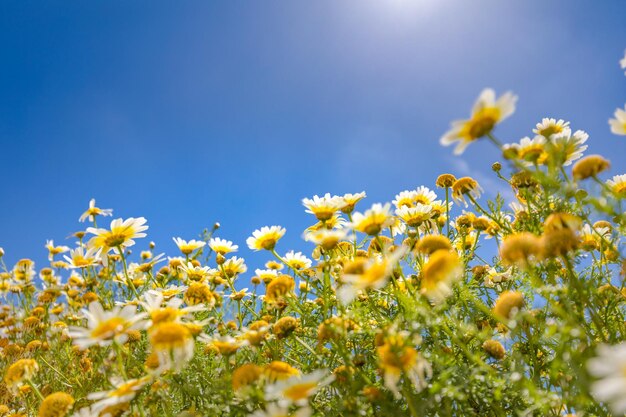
[
  {"x": 187, "y": 247},
  {"x": 487, "y": 112},
  {"x": 297, "y": 389},
  {"x": 618, "y": 125},
  {"x": 608, "y": 368},
  {"x": 222, "y": 246},
  {"x": 296, "y": 260},
  {"x": 105, "y": 327},
  {"x": 323, "y": 208},
  {"x": 94, "y": 211},
  {"x": 265, "y": 238}
]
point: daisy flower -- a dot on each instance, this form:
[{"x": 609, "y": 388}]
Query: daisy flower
[
  {"x": 424, "y": 195},
  {"x": 297, "y": 389},
  {"x": 173, "y": 344},
  {"x": 54, "y": 250},
  {"x": 122, "y": 392},
  {"x": 397, "y": 357},
  {"x": 234, "y": 266},
  {"x": 160, "y": 311},
  {"x": 94, "y": 211},
  {"x": 618, "y": 125},
  {"x": 325, "y": 238},
  {"x": 196, "y": 273},
  {"x": 224, "y": 345},
  {"x": 19, "y": 373},
  {"x": 373, "y": 220},
  {"x": 324, "y": 207},
  {"x": 608, "y": 368},
  {"x": 416, "y": 215},
  {"x": 405, "y": 198},
  {"x": 296, "y": 260},
  {"x": 120, "y": 235},
  {"x": 350, "y": 200},
  {"x": 439, "y": 273},
  {"x": 569, "y": 147},
  {"x": 265, "y": 238},
  {"x": 222, "y": 246},
  {"x": 187, "y": 247},
  {"x": 487, "y": 112},
  {"x": 493, "y": 276},
  {"x": 617, "y": 184},
  {"x": 106, "y": 327},
  {"x": 373, "y": 274},
  {"x": 81, "y": 258},
  {"x": 466, "y": 186},
  {"x": 531, "y": 150},
  {"x": 266, "y": 275},
  {"x": 550, "y": 126}
]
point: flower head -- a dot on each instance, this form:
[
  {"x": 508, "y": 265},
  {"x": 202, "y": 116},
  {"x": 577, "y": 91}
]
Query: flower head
[
  {"x": 187, "y": 247},
  {"x": 265, "y": 238},
  {"x": 487, "y": 112},
  {"x": 323, "y": 208},
  {"x": 618, "y": 124},
  {"x": 106, "y": 327},
  {"x": 298, "y": 388},
  {"x": 373, "y": 220},
  {"x": 120, "y": 234},
  {"x": 608, "y": 368},
  {"x": 222, "y": 246},
  {"x": 94, "y": 211},
  {"x": 444, "y": 267},
  {"x": 368, "y": 274}
]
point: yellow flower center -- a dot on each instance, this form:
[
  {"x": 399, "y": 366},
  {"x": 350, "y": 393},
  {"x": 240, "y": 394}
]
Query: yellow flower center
[
  {"x": 481, "y": 123},
  {"x": 113, "y": 240},
  {"x": 299, "y": 391},
  {"x": 108, "y": 328}
]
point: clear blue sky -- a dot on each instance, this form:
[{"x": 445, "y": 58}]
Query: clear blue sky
[{"x": 191, "y": 112}]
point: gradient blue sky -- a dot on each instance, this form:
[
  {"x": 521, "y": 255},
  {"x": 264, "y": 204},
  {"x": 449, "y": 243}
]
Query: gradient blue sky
[{"x": 191, "y": 112}]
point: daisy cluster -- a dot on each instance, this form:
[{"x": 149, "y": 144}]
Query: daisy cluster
[{"x": 439, "y": 302}]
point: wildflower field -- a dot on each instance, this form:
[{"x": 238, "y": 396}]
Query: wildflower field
[{"x": 439, "y": 303}]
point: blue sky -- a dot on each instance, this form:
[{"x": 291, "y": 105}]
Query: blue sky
[{"x": 193, "y": 112}]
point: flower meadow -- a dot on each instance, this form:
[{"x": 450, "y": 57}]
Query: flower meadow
[{"x": 438, "y": 303}]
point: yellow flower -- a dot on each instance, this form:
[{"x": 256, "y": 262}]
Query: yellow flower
[
  {"x": 19, "y": 372},
  {"x": 173, "y": 343},
  {"x": 443, "y": 268},
  {"x": 298, "y": 388},
  {"x": 372, "y": 274},
  {"x": 57, "y": 404},
  {"x": 278, "y": 371},
  {"x": 519, "y": 249},
  {"x": 466, "y": 186},
  {"x": 590, "y": 166},
  {"x": 396, "y": 357},
  {"x": 487, "y": 112},
  {"x": 246, "y": 375},
  {"x": 507, "y": 304},
  {"x": 122, "y": 393}
]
